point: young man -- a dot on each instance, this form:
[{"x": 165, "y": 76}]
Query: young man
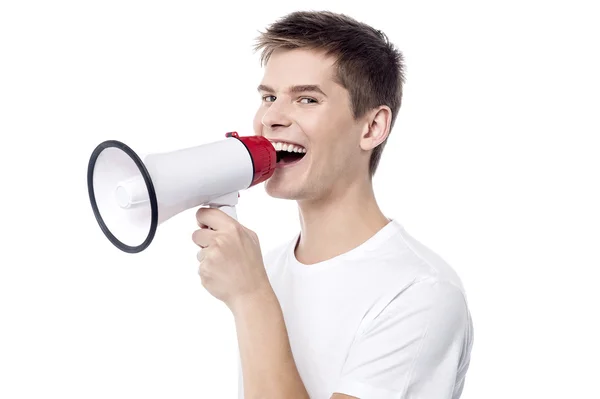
[{"x": 352, "y": 306}]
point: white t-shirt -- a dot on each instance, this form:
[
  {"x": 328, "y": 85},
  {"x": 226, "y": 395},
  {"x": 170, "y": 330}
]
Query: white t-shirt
[{"x": 388, "y": 319}]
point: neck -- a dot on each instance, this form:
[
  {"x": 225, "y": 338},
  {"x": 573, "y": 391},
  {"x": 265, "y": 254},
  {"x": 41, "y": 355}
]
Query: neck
[{"x": 338, "y": 223}]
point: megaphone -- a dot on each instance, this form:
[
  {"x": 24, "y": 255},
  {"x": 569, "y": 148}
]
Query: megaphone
[{"x": 132, "y": 195}]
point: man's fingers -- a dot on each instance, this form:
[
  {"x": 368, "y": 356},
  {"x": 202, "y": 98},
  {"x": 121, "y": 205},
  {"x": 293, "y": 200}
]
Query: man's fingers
[
  {"x": 202, "y": 226},
  {"x": 213, "y": 218},
  {"x": 200, "y": 255},
  {"x": 203, "y": 237}
]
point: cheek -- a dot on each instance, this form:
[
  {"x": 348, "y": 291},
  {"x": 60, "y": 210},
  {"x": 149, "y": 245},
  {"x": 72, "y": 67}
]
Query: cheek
[
  {"x": 328, "y": 131},
  {"x": 317, "y": 125}
]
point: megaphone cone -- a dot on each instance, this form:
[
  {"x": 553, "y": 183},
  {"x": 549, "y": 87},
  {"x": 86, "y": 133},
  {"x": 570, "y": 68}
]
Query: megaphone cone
[{"x": 132, "y": 195}]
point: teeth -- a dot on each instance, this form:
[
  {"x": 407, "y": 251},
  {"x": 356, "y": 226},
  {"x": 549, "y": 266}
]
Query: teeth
[{"x": 288, "y": 147}]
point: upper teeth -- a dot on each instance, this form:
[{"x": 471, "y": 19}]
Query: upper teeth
[{"x": 288, "y": 147}]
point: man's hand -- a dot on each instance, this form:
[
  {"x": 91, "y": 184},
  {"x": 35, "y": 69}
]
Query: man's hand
[
  {"x": 231, "y": 266},
  {"x": 232, "y": 270}
]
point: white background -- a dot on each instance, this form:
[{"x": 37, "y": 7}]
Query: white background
[{"x": 493, "y": 164}]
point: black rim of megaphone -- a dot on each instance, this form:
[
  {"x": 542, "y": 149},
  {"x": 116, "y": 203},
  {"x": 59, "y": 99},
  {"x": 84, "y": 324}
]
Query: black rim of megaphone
[{"x": 151, "y": 192}]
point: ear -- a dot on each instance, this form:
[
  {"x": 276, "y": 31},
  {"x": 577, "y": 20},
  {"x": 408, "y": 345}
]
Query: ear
[{"x": 377, "y": 127}]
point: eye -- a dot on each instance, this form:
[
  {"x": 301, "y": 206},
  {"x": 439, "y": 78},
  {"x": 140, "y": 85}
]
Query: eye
[
  {"x": 310, "y": 100},
  {"x": 266, "y": 98}
]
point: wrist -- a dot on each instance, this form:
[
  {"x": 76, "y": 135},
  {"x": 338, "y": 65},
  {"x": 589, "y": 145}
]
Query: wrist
[{"x": 257, "y": 300}]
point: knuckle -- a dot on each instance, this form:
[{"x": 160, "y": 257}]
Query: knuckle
[
  {"x": 238, "y": 228},
  {"x": 203, "y": 271},
  {"x": 206, "y": 255},
  {"x": 252, "y": 235}
]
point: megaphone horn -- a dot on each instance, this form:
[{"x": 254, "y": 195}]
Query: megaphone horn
[{"x": 132, "y": 195}]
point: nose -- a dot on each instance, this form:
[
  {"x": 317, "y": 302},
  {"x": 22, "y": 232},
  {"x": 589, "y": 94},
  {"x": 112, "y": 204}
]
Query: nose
[{"x": 276, "y": 116}]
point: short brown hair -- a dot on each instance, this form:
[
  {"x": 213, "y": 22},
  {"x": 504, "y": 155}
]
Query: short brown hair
[{"x": 368, "y": 65}]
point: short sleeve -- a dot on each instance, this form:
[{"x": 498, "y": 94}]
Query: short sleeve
[{"x": 413, "y": 348}]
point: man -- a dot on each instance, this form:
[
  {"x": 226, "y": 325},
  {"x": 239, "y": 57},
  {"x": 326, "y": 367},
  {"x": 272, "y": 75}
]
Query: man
[{"x": 352, "y": 306}]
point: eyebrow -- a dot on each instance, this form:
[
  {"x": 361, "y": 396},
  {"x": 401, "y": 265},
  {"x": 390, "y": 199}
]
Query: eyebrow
[{"x": 295, "y": 89}]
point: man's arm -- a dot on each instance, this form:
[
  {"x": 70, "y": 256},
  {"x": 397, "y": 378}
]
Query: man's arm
[{"x": 268, "y": 367}]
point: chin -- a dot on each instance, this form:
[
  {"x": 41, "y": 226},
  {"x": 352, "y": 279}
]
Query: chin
[{"x": 282, "y": 189}]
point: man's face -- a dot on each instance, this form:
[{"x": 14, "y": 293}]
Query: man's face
[{"x": 318, "y": 118}]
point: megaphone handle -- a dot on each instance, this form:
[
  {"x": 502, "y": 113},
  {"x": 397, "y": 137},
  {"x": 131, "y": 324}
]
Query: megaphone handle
[
  {"x": 226, "y": 203},
  {"x": 230, "y": 210}
]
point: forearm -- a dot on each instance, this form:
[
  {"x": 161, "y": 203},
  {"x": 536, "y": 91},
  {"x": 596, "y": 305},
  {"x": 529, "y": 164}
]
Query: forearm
[{"x": 268, "y": 366}]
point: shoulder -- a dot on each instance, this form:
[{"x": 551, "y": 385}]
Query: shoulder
[
  {"x": 429, "y": 267},
  {"x": 429, "y": 297},
  {"x": 427, "y": 306},
  {"x": 441, "y": 296}
]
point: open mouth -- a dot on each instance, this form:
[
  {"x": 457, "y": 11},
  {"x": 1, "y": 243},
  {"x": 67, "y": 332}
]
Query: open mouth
[
  {"x": 288, "y": 153},
  {"x": 285, "y": 157}
]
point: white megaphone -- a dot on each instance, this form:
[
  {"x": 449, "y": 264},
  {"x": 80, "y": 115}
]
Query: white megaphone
[{"x": 130, "y": 197}]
